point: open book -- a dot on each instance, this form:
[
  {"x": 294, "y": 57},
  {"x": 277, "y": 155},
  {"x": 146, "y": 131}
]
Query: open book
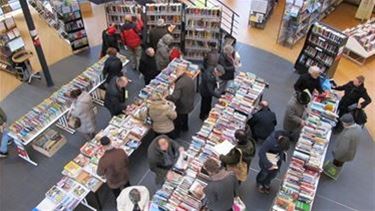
[
  {"x": 273, "y": 158},
  {"x": 223, "y": 148}
]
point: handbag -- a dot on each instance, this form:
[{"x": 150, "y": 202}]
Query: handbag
[
  {"x": 240, "y": 169},
  {"x": 238, "y": 204},
  {"x": 74, "y": 122}
]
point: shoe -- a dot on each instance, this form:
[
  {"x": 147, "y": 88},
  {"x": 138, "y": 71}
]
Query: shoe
[
  {"x": 260, "y": 189},
  {"x": 10, "y": 142},
  {"x": 3, "y": 155},
  {"x": 267, "y": 189}
]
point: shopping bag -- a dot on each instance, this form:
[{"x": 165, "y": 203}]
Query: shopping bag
[
  {"x": 238, "y": 204},
  {"x": 331, "y": 170}
]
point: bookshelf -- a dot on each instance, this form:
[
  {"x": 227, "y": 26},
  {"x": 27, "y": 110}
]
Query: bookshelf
[
  {"x": 228, "y": 115},
  {"x": 301, "y": 180},
  {"x": 126, "y": 132},
  {"x": 170, "y": 12},
  {"x": 260, "y": 11},
  {"x": 323, "y": 47},
  {"x": 202, "y": 26},
  {"x": 66, "y": 18},
  {"x": 10, "y": 42},
  {"x": 117, "y": 10},
  {"x": 361, "y": 42},
  {"x": 8, "y": 6}
]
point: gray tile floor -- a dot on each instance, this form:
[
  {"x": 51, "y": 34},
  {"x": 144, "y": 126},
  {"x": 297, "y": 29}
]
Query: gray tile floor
[{"x": 22, "y": 186}]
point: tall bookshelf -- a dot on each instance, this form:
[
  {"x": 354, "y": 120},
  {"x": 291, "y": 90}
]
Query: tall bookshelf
[
  {"x": 10, "y": 42},
  {"x": 66, "y": 17},
  {"x": 7, "y": 6},
  {"x": 323, "y": 47},
  {"x": 170, "y": 12},
  {"x": 202, "y": 26},
  {"x": 117, "y": 10}
]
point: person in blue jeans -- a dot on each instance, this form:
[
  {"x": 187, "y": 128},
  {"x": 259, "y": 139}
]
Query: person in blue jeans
[
  {"x": 271, "y": 155},
  {"x": 5, "y": 139}
]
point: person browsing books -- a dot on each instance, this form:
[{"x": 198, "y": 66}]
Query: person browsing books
[
  {"x": 134, "y": 198},
  {"x": 162, "y": 154},
  {"x": 114, "y": 167},
  {"x": 159, "y": 31},
  {"x": 147, "y": 65},
  {"x": 112, "y": 66},
  {"x": 130, "y": 34},
  {"x": 207, "y": 89},
  {"x": 163, "y": 50},
  {"x": 114, "y": 99},
  {"x": 183, "y": 96},
  {"x": 5, "y": 138},
  {"x": 263, "y": 122},
  {"x": 309, "y": 81},
  {"x": 271, "y": 155}
]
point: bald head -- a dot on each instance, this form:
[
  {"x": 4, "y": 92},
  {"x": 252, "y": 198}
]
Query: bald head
[
  {"x": 122, "y": 82},
  {"x": 263, "y": 104},
  {"x": 128, "y": 18}
]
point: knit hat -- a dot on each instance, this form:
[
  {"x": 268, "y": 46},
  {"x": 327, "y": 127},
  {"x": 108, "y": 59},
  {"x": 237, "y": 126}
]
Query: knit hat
[
  {"x": 111, "y": 30},
  {"x": 347, "y": 119}
]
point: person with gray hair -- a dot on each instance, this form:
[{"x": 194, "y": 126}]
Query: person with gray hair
[
  {"x": 134, "y": 198},
  {"x": 263, "y": 122},
  {"x": 309, "y": 81},
  {"x": 226, "y": 60},
  {"x": 208, "y": 88},
  {"x": 162, "y": 52}
]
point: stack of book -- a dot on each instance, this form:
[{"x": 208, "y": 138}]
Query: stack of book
[
  {"x": 51, "y": 109},
  {"x": 300, "y": 183},
  {"x": 125, "y": 131},
  {"x": 170, "y": 12},
  {"x": 364, "y": 34},
  {"x": 49, "y": 143},
  {"x": 202, "y": 27},
  {"x": 181, "y": 190},
  {"x": 117, "y": 10}
]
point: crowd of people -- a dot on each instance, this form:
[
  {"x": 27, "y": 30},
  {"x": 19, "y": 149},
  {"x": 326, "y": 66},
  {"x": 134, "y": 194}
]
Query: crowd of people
[{"x": 170, "y": 117}]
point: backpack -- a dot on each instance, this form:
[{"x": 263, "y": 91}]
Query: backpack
[
  {"x": 240, "y": 169},
  {"x": 359, "y": 116},
  {"x": 131, "y": 38}
]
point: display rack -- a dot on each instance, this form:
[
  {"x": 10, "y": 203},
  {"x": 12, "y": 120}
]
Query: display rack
[
  {"x": 170, "y": 12},
  {"x": 300, "y": 184},
  {"x": 8, "y": 6},
  {"x": 55, "y": 108},
  {"x": 323, "y": 47},
  {"x": 229, "y": 114},
  {"x": 117, "y": 10},
  {"x": 260, "y": 11},
  {"x": 361, "y": 43},
  {"x": 202, "y": 26},
  {"x": 10, "y": 42},
  {"x": 66, "y": 18},
  {"x": 126, "y": 132}
]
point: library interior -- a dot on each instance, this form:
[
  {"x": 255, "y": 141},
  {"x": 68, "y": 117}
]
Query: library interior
[{"x": 187, "y": 105}]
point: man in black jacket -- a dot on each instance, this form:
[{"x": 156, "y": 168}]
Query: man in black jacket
[
  {"x": 309, "y": 81},
  {"x": 114, "y": 99},
  {"x": 263, "y": 122},
  {"x": 212, "y": 57},
  {"x": 158, "y": 32},
  {"x": 226, "y": 60},
  {"x": 109, "y": 39},
  {"x": 183, "y": 97},
  {"x": 147, "y": 65},
  {"x": 207, "y": 89},
  {"x": 354, "y": 91},
  {"x": 112, "y": 66}
]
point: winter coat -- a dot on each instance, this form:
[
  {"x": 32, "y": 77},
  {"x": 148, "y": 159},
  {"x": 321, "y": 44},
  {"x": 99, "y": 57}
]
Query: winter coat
[
  {"x": 83, "y": 108},
  {"x": 156, "y": 34},
  {"x": 157, "y": 161},
  {"x": 352, "y": 95},
  {"x": 183, "y": 94},
  {"x": 162, "y": 52},
  {"x": 112, "y": 67},
  {"x": 3, "y": 117},
  {"x": 148, "y": 68},
  {"x": 305, "y": 81},
  {"x": 233, "y": 157},
  {"x": 114, "y": 166},
  {"x": 114, "y": 99},
  {"x": 263, "y": 123},
  {"x": 271, "y": 145},
  {"x": 162, "y": 114},
  {"x": 208, "y": 84},
  {"x": 130, "y": 34},
  {"x": 293, "y": 115},
  {"x": 346, "y": 143},
  {"x": 228, "y": 64},
  {"x": 109, "y": 41},
  {"x": 221, "y": 190},
  {"x": 211, "y": 59}
]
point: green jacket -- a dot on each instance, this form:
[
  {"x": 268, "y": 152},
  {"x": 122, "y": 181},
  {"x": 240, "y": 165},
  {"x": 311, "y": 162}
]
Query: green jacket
[
  {"x": 3, "y": 117},
  {"x": 233, "y": 157}
]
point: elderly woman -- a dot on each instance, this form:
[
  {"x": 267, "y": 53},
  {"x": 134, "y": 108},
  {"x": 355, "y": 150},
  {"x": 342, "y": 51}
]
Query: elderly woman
[
  {"x": 309, "y": 81},
  {"x": 226, "y": 60}
]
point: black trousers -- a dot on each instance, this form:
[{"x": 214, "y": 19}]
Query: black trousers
[
  {"x": 117, "y": 191},
  {"x": 205, "y": 107},
  {"x": 181, "y": 123}
]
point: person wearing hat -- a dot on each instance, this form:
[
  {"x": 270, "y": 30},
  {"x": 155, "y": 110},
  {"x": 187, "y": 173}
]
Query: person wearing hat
[
  {"x": 163, "y": 50},
  {"x": 158, "y": 32},
  {"x": 109, "y": 39},
  {"x": 309, "y": 81},
  {"x": 293, "y": 121},
  {"x": 134, "y": 198},
  {"x": 114, "y": 166},
  {"x": 345, "y": 147},
  {"x": 207, "y": 89}
]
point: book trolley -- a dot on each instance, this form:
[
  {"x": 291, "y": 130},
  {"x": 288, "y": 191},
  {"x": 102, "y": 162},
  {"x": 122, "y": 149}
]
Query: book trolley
[
  {"x": 55, "y": 109},
  {"x": 229, "y": 114},
  {"x": 323, "y": 47},
  {"x": 126, "y": 132},
  {"x": 299, "y": 187}
]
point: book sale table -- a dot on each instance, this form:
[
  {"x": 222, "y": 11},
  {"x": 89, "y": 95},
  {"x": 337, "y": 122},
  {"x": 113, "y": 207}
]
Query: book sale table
[
  {"x": 126, "y": 132},
  {"x": 55, "y": 108},
  {"x": 179, "y": 192},
  {"x": 300, "y": 184}
]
